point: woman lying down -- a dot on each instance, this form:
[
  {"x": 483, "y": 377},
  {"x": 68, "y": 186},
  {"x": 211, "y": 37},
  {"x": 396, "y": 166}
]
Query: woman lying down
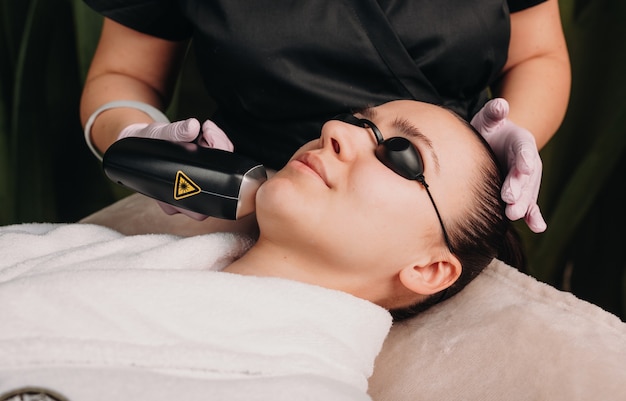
[{"x": 393, "y": 209}]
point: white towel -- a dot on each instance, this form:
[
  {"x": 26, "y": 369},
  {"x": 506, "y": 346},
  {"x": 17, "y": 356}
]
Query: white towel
[
  {"x": 150, "y": 312},
  {"x": 36, "y": 248}
]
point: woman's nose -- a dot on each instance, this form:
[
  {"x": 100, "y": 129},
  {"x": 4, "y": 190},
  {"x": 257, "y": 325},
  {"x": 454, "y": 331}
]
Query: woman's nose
[{"x": 346, "y": 140}]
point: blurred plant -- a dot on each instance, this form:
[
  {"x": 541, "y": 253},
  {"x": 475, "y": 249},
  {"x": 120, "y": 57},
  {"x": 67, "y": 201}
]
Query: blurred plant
[
  {"x": 46, "y": 175},
  {"x": 582, "y": 191}
]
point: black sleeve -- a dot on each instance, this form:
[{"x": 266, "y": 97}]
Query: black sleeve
[
  {"x": 519, "y": 5},
  {"x": 160, "y": 18}
]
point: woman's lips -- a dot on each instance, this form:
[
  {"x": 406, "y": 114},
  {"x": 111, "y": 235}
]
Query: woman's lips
[{"x": 314, "y": 163}]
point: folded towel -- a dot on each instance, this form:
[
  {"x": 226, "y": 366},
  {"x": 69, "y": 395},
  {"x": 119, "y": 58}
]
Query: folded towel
[{"x": 37, "y": 248}]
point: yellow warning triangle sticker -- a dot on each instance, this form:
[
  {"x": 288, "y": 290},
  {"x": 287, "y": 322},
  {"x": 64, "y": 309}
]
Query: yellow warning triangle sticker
[{"x": 184, "y": 187}]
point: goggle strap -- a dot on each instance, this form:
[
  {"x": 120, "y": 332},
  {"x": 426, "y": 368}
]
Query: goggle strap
[{"x": 422, "y": 181}]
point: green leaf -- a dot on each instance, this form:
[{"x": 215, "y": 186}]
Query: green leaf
[{"x": 88, "y": 25}]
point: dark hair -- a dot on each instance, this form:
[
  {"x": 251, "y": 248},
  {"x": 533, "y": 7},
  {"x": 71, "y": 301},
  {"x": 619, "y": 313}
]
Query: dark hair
[{"x": 480, "y": 235}]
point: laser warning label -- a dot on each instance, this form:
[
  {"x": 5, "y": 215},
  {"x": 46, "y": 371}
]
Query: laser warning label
[{"x": 184, "y": 187}]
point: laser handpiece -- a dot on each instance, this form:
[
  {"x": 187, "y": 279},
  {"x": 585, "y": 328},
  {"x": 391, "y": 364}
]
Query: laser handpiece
[{"x": 209, "y": 181}]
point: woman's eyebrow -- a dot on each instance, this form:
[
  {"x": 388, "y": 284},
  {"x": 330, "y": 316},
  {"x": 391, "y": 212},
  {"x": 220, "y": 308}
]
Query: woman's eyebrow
[{"x": 405, "y": 127}]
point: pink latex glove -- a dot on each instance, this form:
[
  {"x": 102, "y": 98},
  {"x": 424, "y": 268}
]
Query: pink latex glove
[
  {"x": 211, "y": 136},
  {"x": 516, "y": 150}
]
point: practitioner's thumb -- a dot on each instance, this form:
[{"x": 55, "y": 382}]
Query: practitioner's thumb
[{"x": 214, "y": 137}]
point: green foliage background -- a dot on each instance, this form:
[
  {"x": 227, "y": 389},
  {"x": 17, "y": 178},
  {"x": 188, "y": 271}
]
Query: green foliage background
[{"x": 48, "y": 175}]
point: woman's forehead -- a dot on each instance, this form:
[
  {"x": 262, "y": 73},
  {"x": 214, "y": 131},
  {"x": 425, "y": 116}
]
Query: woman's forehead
[
  {"x": 455, "y": 152},
  {"x": 428, "y": 114}
]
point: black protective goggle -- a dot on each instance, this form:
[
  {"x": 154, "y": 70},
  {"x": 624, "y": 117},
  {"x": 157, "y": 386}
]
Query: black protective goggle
[{"x": 400, "y": 155}]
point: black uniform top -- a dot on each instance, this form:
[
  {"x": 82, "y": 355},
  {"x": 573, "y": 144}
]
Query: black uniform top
[{"x": 278, "y": 69}]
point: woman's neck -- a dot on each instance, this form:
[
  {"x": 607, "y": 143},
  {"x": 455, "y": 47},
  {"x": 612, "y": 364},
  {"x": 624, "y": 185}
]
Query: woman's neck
[
  {"x": 268, "y": 259},
  {"x": 309, "y": 266}
]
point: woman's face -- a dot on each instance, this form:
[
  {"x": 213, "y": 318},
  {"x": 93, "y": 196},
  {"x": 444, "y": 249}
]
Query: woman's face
[{"x": 336, "y": 200}]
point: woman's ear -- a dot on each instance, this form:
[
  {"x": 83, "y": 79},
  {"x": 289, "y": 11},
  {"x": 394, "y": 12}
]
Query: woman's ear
[{"x": 431, "y": 278}]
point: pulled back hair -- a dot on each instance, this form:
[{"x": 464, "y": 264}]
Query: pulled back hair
[{"x": 481, "y": 234}]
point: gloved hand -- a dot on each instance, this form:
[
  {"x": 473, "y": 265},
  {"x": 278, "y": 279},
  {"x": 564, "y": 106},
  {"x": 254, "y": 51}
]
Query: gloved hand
[
  {"x": 181, "y": 131},
  {"x": 211, "y": 136},
  {"x": 516, "y": 150}
]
